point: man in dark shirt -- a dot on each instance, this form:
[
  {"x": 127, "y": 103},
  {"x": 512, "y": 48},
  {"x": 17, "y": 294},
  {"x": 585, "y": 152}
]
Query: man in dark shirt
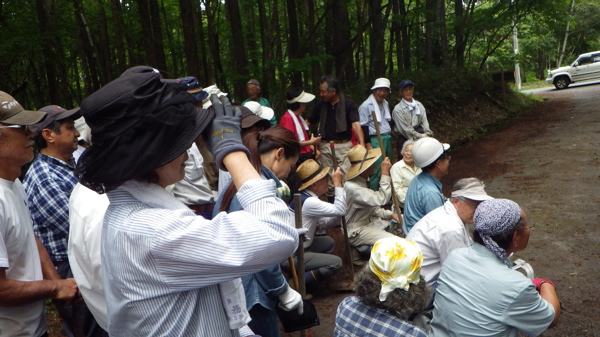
[{"x": 337, "y": 116}]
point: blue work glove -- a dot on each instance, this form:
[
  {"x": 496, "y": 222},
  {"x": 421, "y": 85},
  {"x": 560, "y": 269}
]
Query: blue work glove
[{"x": 223, "y": 135}]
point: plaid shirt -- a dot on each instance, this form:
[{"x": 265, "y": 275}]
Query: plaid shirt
[
  {"x": 48, "y": 183},
  {"x": 353, "y": 318}
]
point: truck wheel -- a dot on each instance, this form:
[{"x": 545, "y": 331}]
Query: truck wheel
[{"x": 562, "y": 82}]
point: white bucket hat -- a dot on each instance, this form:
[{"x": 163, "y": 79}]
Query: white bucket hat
[{"x": 381, "y": 82}]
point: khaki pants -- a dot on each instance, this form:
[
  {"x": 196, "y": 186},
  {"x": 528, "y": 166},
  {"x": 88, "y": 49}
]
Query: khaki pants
[
  {"x": 341, "y": 154},
  {"x": 368, "y": 236}
]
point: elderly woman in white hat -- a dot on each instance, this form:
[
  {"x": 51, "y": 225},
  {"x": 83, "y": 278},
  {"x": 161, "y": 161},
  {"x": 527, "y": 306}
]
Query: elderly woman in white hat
[
  {"x": 390, "y": 294},
  {"x": 377, "y": 102},
  {"x": 366, "y": 217}
]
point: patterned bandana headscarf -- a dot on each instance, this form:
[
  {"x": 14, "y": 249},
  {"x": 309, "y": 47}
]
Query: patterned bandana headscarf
[
  {"x": 495, "y": 217},
  {"x": 396, "y": 262}
]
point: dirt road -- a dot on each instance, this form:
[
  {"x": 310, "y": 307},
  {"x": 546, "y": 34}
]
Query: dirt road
[{"x": 548, "y": 162}]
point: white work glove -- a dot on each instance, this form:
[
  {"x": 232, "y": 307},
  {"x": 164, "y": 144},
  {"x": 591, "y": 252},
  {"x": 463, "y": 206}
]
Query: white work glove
[
  {"x": 291, "y": 299},
  {"x": 301, "y": 231}
]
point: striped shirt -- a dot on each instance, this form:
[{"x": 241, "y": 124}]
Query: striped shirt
[{"x": 162, "y": 267}]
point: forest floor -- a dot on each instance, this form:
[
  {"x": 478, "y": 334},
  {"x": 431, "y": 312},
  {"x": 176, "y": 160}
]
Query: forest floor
[{"x": 545, "y": 158}]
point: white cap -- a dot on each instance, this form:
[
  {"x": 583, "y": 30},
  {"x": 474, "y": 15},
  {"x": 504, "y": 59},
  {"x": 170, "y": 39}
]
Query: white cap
[
  {"x": 259, "y": 110},
  {"x": 381, "y": 82},
  {"x": 426, "y": 150}
]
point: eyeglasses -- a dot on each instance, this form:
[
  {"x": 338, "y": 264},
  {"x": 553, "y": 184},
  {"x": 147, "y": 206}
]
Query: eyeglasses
[
  {"x": 529, "y": 227},
  {"x": 23, "y": 128},
  {"x": 470, "y": 203}
]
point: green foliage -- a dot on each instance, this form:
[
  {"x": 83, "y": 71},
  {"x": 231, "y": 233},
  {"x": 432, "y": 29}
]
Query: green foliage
[{"x": 38, "y": 62}]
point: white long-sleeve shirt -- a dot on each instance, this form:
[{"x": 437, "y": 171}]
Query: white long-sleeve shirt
[
  {"x": 316, "y": 211},
  {"x": 163, "y": 264},
  {"x": 439, "y": 233},
  {"x": 86, "y": 215}
]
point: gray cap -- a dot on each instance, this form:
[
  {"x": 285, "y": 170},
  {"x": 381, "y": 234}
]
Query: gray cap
[
  {"x": 55, "y": 113},
  {"x": 11, "y": 112}
]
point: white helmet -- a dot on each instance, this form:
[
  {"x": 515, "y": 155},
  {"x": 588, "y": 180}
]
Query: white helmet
[{"x": 426, "y": 150}]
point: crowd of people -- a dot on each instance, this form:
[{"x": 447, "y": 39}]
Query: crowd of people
[{"x": 159, "y": 208}]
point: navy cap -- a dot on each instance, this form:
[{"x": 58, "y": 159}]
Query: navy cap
[
  {"x": 194, "y": 87},
  {"x": 405, "y": 83}
]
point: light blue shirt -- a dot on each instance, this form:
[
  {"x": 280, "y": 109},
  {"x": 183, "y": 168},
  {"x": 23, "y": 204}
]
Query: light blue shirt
[
  {"x": 478, "y": 295},
  {"x": 423, "y": 196},
  {"x": 366, "y": 119}
]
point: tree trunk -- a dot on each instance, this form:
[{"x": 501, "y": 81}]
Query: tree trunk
[
  {"x": 342, "y": 48},
  {"x": 404, "y": 29},
  {"x": 268, "y": 71},
  {"x": 146, "y": 25},
  {"x": 157, "y": 38},
  {"x": 293, "y": 42},
  {"x": 567, "y": 32},
  {"x": 459, "y": 49},
  {"x": 118, "y": 29},
  {"x": 315, "y": 67},
  {"x": 44, "y": 14},
  {"x": 376, "y": 40},
  {"x": 176, "y": 60},
  {"x": 362, "y": 53},
  {"x": 205, "y": 70},
  {"x": 104, "y": 57},
  {"x": 329, "y": 38},
  {"x": 388, "y": 66},
  {"x": 277, "y": 42},
  {"x": 190, "y": 47},
  {"x": 430, "y": 15},
  {"x": 251, "y": 36},
  {"x": 87, "y": 47},
  {"x": 238, "y": 48},
  {"x": 443, "y": 36},
  {"x": 213, "y": 42}
]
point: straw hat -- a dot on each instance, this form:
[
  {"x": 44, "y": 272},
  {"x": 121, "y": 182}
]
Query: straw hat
[
  {"x": 309, "y": 172},
  {"x": 361, "y": 160}
]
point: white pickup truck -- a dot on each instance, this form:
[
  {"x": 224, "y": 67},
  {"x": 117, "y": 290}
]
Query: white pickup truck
[{"x": 586, "y": 67}]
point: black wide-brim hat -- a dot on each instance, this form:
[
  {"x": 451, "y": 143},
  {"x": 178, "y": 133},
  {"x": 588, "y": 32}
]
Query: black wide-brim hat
[{"x": 139, "y": 122}]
